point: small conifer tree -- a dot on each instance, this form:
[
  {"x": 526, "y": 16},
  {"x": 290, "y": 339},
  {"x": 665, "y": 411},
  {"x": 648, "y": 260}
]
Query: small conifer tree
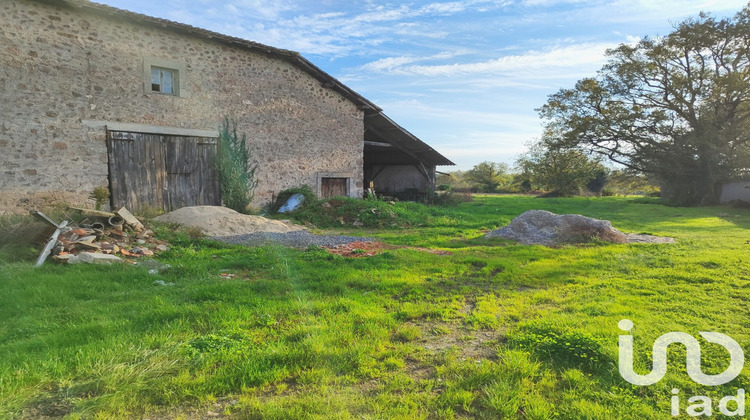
[{"x": 236, "y": 173}]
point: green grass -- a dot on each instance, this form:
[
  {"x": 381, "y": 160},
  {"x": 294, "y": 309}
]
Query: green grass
[{"x": 492, "y": 330}]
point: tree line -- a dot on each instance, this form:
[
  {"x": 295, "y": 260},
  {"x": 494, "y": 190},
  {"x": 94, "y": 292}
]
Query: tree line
[{"x": 550, "y": 175}]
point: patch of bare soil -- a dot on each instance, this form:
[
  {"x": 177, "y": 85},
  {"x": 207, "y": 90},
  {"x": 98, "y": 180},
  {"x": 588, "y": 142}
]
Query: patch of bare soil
[
  {"x": 359, "y": 249},
  {"x": 639, "y": 238},
  {"x": 471, "y": 344},
  {"x": 222, "y": 221},
  {"x": 371, "y": 248},
  {"x": 220, "y": 409}
]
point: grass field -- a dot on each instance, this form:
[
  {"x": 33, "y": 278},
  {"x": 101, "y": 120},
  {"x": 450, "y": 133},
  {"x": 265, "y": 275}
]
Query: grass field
[{"x": 490, "y": 330}]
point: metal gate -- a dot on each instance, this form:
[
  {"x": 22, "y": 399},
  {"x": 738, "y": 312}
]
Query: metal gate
[{"x": 161, "y": 171}]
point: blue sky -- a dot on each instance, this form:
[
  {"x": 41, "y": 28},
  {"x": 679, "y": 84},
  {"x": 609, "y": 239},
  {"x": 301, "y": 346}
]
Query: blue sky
[{"x": 466, "y": 75}]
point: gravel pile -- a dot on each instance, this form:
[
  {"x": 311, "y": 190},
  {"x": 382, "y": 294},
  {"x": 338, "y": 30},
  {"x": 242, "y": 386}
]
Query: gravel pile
[
  {"x": 295, "y": 239},
  {"x": 221, "y": 221},
  {"x": 226, "y": 225},
  {"x": 539, "y": 227}
]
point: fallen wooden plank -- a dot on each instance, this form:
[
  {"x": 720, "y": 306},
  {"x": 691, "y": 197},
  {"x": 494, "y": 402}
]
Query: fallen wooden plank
[
  {"x": 96, "y": 213},
  {"x": 129, "y": 219},
  {"x": 45, "y": 218}
]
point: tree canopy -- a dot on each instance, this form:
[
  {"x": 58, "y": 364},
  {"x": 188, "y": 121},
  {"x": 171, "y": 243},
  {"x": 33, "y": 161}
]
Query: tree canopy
[
  {"x": 561, "y": 172},
  {"x": 489, "y": 176},
  {"x": 673, "y": 107}
]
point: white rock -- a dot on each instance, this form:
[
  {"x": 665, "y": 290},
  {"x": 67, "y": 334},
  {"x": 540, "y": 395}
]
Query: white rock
[{"x": 94, "y": 258}]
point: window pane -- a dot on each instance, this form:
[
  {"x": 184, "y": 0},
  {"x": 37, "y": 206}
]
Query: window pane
[
  {"x": 166, "y": 78},
  {"x": 155, "y": 80}
]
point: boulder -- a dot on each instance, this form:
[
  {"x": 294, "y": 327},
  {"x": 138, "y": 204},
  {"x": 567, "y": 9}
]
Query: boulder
[
  {"x": 539, "y": 227},
  {"x": 94, "y": 258}
]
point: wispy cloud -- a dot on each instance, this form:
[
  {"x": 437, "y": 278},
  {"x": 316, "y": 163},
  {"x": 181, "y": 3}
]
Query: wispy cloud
[
  {"x": 338, "y": 33},
  {"x": 463, "y": 75},
  {"x": 570, "y": 56},
  {"x": 399, "y": 65}
]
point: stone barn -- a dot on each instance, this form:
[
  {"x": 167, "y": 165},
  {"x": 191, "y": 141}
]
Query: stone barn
[{"x": 93, "y": 96}]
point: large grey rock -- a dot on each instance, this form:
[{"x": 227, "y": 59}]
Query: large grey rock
[
  {"x": 94, "y": 258},
  {"x": 539, "y": 227}
]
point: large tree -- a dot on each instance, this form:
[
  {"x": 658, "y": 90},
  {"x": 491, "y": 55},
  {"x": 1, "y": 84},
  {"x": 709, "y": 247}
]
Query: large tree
[
  {"x": 673, "y": 107},
  {"x": 560, "y": 172}
]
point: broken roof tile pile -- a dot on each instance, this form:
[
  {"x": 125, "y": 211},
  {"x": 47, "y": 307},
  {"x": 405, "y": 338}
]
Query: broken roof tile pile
[{"x": 105, "y": 238}]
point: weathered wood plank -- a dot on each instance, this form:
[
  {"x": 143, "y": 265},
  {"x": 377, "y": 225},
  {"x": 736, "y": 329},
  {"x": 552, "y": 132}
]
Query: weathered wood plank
[
  {"x": 129, "y": 219},
  {"x": 165, "y": 172},
  {"x": 95, "y": 213},
  {"x": 333, "y": 187}
]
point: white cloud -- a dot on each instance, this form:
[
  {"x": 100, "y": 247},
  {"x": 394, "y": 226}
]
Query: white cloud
[
  {"x": 393, "y": 64},
  {"x": 448, "y": 114},
  {"x": 528, "y": 63},
  {"x": 463, "y": 75},
  {"x": 266, "y": 9},
  {"x": 342, "y": 33},
  {"x": 550, "y": 3}
]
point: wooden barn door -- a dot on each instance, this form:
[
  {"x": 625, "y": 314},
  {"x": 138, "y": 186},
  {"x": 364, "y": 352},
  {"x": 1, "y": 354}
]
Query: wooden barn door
[
  {"x": 191, "y": 176},
  {"x": 334, "y": 187},
  {"x": 165, "y": 172}
]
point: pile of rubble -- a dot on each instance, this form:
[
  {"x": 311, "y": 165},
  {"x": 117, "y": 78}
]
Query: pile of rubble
[
  {"x": 540, "y": 227},
  {"x": 101, "y": 238}
]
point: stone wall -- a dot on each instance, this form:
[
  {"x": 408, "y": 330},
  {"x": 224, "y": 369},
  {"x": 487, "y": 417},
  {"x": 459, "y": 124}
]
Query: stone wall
[
  {"x": 61, "y": 66},
  {"x": 735, "y": 191}
]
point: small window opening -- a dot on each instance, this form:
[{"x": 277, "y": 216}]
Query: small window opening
[
  {"x": 334, "y": 187},
  {"x": 163, "y": 80}
]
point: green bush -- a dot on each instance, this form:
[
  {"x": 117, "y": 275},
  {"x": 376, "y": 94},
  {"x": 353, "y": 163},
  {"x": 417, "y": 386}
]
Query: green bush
[
  {"x": 283, "y": 196},
  {"x": 236, "y": 174},
  {"x": 101, "y": 196},
  {"x": 563, "y": 348},
  {"x": 447, "y": 198},
  {"x": 344, "y": 211}
]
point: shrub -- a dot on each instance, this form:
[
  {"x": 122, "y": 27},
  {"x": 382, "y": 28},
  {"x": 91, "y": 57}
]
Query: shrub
[
  {"x": 564, "y": 348},
  {"x": 283, "y": 196},
  {"x": 446, "y": 198},
  {"x": 345, "y": 211},
  {"x": 599, "y": 179},
  {"x": 236, "y": 174},
  {"x": 100, "y": 195}
]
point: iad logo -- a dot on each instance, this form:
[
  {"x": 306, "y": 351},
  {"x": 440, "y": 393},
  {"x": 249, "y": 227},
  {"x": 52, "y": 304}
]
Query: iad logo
[
  {"x": 703, "y": 404},
  {"x": 692, "y": 362}
]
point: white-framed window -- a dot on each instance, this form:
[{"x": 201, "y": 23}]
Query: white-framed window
[
  {"x": 164, "y": 81},
  {"x": 165, "y": 77}
]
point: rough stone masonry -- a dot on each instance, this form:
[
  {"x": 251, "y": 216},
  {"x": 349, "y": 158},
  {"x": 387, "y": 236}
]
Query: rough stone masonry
[{"x": 66, "y": 70}]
